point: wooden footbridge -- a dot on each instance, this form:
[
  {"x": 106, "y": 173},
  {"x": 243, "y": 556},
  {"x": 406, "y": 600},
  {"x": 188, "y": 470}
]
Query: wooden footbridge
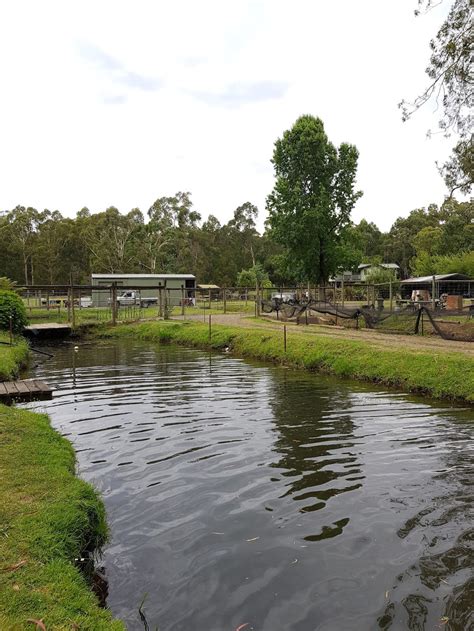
[{"x": 24, "y": 390}]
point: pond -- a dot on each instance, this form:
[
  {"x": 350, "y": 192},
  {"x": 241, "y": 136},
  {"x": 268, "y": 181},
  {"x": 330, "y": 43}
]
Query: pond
[{"x": 246, "y": 495}]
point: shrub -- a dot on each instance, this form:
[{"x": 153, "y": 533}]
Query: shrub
[{"x": 11, "y": 305}]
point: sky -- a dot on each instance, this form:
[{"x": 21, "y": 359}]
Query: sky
[{"x": 111, "y": 103}]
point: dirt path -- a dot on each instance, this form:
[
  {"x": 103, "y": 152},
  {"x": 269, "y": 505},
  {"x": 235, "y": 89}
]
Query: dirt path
[{"x": 374, "y": 338}]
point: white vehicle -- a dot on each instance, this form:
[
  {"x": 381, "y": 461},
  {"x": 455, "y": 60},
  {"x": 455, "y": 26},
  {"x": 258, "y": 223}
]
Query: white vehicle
[
  {"x": 288, "y": 297},
  {"x": 128, "y": 298}
]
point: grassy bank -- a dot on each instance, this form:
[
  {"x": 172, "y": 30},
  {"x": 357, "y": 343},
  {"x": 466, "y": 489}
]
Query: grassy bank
[
  {"x": 443, "y": 375},
  {"x": 48, "y": 518},
  {"x": 12, "y": 358}
]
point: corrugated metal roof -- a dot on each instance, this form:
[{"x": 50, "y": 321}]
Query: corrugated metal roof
[
  {"x": 142, "y": 276},
  {"x": 386, "y": 265},
  {"x": 428, "y": 279}
]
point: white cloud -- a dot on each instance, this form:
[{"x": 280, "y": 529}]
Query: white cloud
[{"x": 120, "y": 103}]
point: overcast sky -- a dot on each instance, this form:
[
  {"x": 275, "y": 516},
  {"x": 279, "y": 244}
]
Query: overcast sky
[{"x": 118, "y": 103}]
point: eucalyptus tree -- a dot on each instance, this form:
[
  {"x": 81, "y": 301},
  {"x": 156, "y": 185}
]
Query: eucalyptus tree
[{"x": 451, "y": 86}]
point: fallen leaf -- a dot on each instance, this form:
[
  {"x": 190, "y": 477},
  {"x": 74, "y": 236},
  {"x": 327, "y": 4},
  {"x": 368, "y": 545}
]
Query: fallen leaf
[{"x": 39, "y": 623}]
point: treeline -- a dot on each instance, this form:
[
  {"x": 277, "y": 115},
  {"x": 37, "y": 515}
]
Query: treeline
[{"x": 44, "y": 247}]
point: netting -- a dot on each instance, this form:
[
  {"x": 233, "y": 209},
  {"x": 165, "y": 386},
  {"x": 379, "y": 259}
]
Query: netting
[{"x": 412, "y": 319}]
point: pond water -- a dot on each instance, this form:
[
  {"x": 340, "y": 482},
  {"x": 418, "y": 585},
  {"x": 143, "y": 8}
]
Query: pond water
[{"x": 241, "y": 493}]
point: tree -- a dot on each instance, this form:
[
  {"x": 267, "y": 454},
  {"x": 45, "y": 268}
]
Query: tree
[
  {"x": 310, "y": 205},
  {"x": 254, "y": 276},
  {"x": 450, "y": 73}
]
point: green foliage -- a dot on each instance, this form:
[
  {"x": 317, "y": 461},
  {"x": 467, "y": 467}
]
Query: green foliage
[
  {"x": 310, "y": 205},
  {"x": 7, "y": 284},
  {"x": 462, "y": 263},
  {"x": 450, "y": 74},
  {"x": 11, "y": 306},
  {"x": 250, "y": 277},
  {"x": 381, "y": 275}
]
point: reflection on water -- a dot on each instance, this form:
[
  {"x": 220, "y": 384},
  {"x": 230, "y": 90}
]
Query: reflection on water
[{"x": 245, "y": 493}]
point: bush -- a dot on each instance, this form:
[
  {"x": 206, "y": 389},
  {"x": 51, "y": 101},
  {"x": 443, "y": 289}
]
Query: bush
[{"x": 11, "y": 305}]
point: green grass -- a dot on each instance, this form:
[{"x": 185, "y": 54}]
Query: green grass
[
  {"x": 48, "y": 518},
  {"x": 12, "y": 358},
  {"x": 438, "y": 374}
]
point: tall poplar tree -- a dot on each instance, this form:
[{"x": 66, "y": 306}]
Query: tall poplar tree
[{"x": 310, "y": 205}]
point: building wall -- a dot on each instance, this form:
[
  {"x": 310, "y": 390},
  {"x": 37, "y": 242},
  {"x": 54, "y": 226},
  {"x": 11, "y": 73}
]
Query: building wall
[{"x": 102, "y": 298}]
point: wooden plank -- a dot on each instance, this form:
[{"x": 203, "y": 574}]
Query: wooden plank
[
  {"x": 22, "y": 387},
  {"x": 11, "y": 388},
  {"x": 25, "y": 389},
  {"x": 42, "y": 386}
]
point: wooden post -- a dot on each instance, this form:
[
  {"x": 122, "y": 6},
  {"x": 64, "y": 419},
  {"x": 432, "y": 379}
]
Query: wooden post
[
  {"x": 114, "y": 303},
  {"x": 73, "y": 311},
  {"x": 391, "y": 296},
  {"x": 209, "y": 299},
  {"x": 182, "y": 300},
  {"x": 69, "y": 304},
  {"x": 342, "y": 291},
  {"x": 160, "y": 302},
  {"x": 422, "y": 321},
  {"x": 225, "y": 300},
  {"x": 433, "y": 292},
  {"x": 210, "y": 327},
  {"x": 284, "y": 337}
]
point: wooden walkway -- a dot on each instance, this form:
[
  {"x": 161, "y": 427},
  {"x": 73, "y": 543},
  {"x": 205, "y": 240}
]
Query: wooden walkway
[{"x": 24, "y": 390}]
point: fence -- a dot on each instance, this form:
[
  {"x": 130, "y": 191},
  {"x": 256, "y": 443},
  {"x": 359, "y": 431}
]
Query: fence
[{"x": 391, "y": 307}]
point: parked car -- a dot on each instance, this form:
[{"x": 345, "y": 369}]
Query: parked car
[{"x": 288, "y": 298}]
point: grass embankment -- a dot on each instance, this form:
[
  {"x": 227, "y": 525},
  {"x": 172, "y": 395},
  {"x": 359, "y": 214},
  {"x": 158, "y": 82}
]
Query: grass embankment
[
  {"x": 439, "y": 374},
  {"x": 12, "y": 358},
  {"x": 48, "y": 518}
]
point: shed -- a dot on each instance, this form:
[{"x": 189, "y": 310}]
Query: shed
[
  {"x": 147, "y": 284},
  {"x": 453, "y": 284}
]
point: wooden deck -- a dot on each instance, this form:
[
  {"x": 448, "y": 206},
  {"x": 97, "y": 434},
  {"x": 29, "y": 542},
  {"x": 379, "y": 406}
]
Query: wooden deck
[{"x": 24, "y": 390}]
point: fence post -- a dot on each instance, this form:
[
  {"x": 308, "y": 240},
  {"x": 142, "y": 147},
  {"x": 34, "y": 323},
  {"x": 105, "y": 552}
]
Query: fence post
[
  {"x": 182, "y": 300},
  {"x": 114, "y": 303},
  {"x": 210, "y": 327},
  {"x": 342, "y": 291},
  {"x": 73, "y": 312},
  {"x": 391, "y": 296},
  {"x": 284, "y": 337},
  {"x": 225, "y": 300},
  {"x": 160, "y": 302},
  {"x": 433, "y": 292}
]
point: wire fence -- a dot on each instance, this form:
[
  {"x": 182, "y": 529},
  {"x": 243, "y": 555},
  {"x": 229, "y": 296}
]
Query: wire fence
[{"x": 444, "y": 308}]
